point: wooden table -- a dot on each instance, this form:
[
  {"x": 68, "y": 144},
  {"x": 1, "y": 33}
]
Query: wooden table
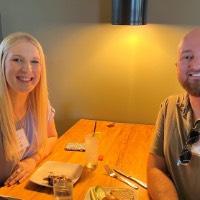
[{"x": 123, "y": 146}]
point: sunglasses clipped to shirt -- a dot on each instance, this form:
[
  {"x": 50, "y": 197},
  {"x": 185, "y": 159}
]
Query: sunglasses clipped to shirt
[{"x": 192, "y": 138}]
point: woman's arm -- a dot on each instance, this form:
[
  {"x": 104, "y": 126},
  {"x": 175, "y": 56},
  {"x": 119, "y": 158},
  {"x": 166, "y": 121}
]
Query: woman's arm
[
  {"x": 25, "y": 167},
  {"x": 160, "y": 186},
  {"x": 51, "y": 140}
]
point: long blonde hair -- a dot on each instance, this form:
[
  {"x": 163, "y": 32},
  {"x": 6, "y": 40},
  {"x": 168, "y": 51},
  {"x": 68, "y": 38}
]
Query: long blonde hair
[{"x": 37, "y": 100}]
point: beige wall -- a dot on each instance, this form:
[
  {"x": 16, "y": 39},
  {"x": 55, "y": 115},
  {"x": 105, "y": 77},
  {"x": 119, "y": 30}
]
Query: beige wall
[{"x": 100, "y": 71}]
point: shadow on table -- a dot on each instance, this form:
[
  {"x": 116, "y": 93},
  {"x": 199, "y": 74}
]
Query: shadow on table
[{"x": 38, "y": 188}]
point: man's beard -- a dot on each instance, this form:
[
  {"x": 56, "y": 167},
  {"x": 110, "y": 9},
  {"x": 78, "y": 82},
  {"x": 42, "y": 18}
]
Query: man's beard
[{"x": 192, "y": 87}]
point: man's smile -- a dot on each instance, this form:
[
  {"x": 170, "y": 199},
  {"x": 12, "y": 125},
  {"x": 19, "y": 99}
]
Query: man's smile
[{"x": 194, "y": 74}]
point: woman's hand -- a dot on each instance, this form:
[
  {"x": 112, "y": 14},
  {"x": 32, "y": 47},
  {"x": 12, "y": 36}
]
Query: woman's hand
[{"x": 22, "y": 170}]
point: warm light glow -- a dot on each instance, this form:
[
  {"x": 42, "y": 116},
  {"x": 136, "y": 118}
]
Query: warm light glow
[{"x": 116, "y": 72}]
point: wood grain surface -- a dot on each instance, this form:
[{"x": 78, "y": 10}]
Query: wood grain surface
[{"x": 122, "y": 146}]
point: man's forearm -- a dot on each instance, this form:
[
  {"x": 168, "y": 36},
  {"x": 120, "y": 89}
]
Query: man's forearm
[{"x": 160, "y": 187}]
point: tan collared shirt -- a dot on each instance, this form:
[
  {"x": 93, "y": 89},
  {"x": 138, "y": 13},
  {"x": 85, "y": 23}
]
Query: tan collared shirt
[{"x": 174, "y": 122}]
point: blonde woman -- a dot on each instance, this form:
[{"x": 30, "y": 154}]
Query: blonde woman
[{"x": 27, "y": 128}]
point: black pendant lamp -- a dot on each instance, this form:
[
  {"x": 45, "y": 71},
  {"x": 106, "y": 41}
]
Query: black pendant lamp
[{"x": 129, "y": 12}]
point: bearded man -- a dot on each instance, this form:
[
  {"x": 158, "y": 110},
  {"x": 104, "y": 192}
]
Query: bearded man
[{"x": 173, "y": 170}]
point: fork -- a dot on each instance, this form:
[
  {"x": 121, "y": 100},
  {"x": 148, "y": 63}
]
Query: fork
[{"x": 111, "y": 173}]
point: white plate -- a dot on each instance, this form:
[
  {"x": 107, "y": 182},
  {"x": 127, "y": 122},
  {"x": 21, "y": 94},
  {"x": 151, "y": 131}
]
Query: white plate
[
  {"x": 72, "y": 171},
  {"x": 109, "y": 189}
]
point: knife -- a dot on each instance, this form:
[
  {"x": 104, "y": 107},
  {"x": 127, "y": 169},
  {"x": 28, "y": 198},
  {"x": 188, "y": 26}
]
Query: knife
[{"x": 141, "y": 183}]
